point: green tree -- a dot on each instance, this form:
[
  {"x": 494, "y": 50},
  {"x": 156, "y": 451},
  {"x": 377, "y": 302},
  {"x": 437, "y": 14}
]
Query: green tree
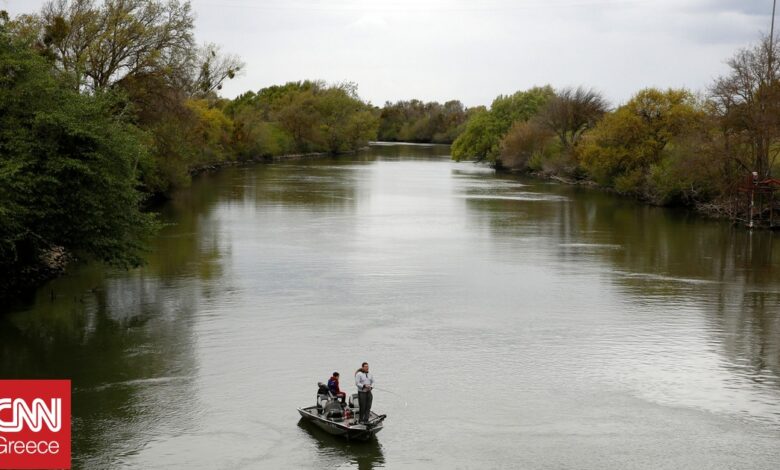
[
  {"x": 67, "y": 172},
  {"x": 520, "y": 106},
  {"x": 169, "y": 126},
  {"x": 308, "y": 116},
  {"x": 346, "y": 122},
  {"x": 622, "y": 150},
  {"x": 417, "y": 121},
  {"x": 480, "y": 139},
  {"x": 482, "y": 135},
  {"x": 213, "y": 132},
  {"x": 299, "y": 117}
]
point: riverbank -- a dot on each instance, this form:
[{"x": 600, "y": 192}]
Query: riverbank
[
  {"x": 53, "y": 264},
  {"x": 209, "y": 167}
]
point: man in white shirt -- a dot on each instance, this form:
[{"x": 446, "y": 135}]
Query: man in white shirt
[{"x": 364, "y": 382}]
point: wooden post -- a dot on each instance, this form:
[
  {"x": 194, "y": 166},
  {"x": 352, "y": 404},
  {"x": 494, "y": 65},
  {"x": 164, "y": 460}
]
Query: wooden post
[{"x": 753, "y": 185}]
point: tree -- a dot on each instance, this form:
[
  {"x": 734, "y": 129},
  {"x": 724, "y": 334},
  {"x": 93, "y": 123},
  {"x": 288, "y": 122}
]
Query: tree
[
  {"x": 67, "y": 179},
  {"x": 100, "y": 45},
  {"x": 161, "y": 111},
  {"x": 622, "y": 148},
  {"x": 417, "y": 121},
  {"x": 299, "y": 117},
  {"x": 748, "y": 102},
  {"x": 308, "y": 116},
  {"x": 213, "y": 68},
  {"x": 480, "y": 139},
  {"x": 346, "y": 122},
  {"x": 145, "y": 50},
  {"x": 571, "y": 112},
  {"x": 212, "y": 132},
  {"x": 520, "y": 106},
  {"x": 483, "y": 132}
]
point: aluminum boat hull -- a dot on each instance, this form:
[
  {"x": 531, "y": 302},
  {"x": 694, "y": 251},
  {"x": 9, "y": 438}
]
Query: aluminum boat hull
[{"x": 344, "y": 427}]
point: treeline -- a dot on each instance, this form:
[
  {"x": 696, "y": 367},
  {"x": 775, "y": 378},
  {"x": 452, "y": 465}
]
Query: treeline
[
  {"x": 421, "y": 122},
  {"x": 103, "y": 104},
  {"x": 301, "y": 117},
  {"x": 662, "y": 146}
]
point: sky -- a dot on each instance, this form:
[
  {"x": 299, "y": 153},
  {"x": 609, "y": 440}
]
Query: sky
[{"x": 475, "y": 50}]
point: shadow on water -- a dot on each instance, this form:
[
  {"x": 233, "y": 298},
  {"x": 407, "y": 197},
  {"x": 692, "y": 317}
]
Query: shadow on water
[{"x": 334, "y": 451}]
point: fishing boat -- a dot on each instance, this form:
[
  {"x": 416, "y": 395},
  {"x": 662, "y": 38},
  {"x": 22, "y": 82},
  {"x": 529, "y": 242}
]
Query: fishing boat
[{"x": 333, "y": 417}]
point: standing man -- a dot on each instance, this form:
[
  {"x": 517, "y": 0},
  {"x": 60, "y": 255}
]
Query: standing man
[{"x": 364, "y": 382}]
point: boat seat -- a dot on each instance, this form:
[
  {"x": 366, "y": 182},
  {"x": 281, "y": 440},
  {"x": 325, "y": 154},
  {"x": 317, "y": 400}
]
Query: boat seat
[
  {"x": 353, "y": 401},
  {"x": 322, "y": 400}
]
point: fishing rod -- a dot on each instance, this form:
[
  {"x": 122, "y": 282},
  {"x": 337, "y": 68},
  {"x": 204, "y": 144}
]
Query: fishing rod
[{"x": 392, "y": 393}]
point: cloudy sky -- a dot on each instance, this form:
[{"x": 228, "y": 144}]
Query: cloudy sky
[{"x": 474, "y": 50}]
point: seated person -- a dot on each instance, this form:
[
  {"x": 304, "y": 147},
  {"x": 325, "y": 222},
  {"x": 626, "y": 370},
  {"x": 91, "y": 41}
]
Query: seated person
[{"x": 333, "y": 386}]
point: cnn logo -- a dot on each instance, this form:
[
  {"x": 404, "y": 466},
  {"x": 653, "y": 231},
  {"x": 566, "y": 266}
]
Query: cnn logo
[
  {"x": 34, "y": 416},
  {"x": 35, "y": 424}
]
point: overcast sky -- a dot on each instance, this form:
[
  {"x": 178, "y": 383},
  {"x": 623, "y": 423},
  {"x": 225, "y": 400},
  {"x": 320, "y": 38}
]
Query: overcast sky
[{"x": 474, "y": 50}]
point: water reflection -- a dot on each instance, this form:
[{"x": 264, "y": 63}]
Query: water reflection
[
  {"x": 125, "y": 339},
  {"x": 669, "y": 264},
  {"x": 333, "y": 452},
  {"x": 127, "y": 349}
]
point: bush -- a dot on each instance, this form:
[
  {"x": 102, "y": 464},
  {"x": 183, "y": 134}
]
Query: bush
[{"x": 525, "y": 141}]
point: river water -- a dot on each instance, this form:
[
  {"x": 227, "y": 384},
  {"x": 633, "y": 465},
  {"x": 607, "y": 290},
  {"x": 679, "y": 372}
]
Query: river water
[{"x": 509, "y": 323}]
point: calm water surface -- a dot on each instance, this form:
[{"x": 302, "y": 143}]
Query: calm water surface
[{"x": 509, "y": 323}]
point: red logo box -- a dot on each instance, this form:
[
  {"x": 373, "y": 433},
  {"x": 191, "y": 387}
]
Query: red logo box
[{"x": 34, "y": 424}]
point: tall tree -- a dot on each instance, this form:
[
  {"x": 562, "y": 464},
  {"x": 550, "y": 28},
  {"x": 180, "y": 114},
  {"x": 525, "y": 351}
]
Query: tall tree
[
  {"x": 100, "y": 45},
  {"x": 67, "y": 179},
  {"x": 748, "y": 101},
  {"x": 571, "y": 112}
]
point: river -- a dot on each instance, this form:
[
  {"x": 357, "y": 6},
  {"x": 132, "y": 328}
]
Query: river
[{"x": 509, "y": 323}]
